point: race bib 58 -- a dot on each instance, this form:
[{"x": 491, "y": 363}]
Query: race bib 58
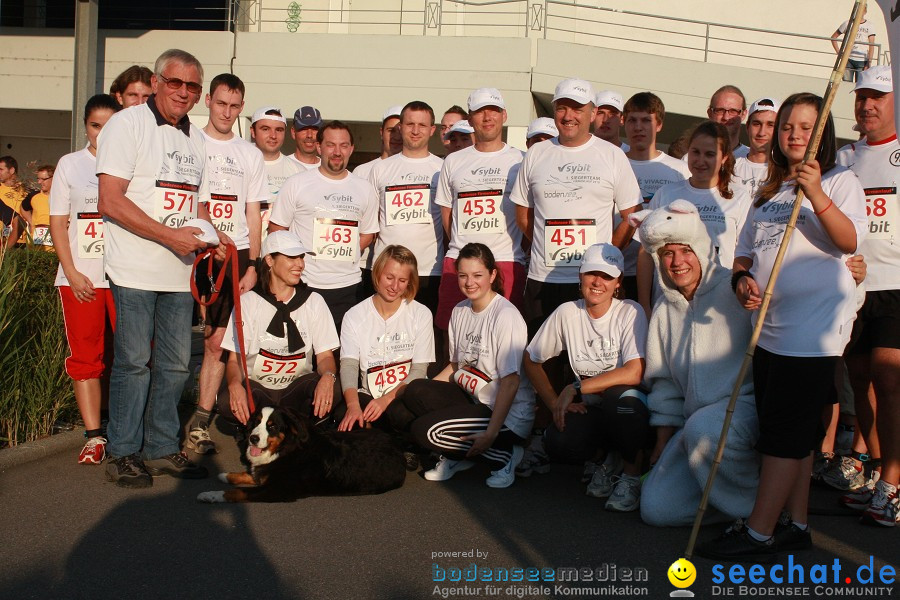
[{"x": 883, "y": 212}]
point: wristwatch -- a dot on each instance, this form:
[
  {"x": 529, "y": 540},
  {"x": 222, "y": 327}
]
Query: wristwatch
[
  {"x": 577, "y": 384},
  {"x": 330, "y": 373}
]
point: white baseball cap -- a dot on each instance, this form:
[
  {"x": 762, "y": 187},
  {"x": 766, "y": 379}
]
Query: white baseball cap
[
  {"x": 393, "y": 111},
  {"x": 610, "y": 98},
  {"x": 485, "y": 97},
  {"x": 260, "y": 114},
  {"x": 876, "y": 78},
  {"x": 283, "y": 242},
  {"x": 541, "y": 125},
  {"x": 207, "y": 231},
  {"x": 461, "y": 126},
  {"x": 578, "y": 90},
  {"x": 605, "y": 258},
  {"x": 764, "y": 104}
]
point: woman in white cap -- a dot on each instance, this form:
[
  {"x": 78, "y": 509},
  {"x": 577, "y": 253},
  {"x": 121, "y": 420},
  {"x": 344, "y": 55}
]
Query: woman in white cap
[
  {"x": 695, "y": 347},
  {"x": 603, "y": 410},
  {"x": 87, "y": 303},
  {"x": 286, "y": 326},
  {"x": 480, "y": 407},
  {"x": 387, "y": 340}
]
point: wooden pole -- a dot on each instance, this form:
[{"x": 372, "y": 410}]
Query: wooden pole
[{"x": 836, "y": 75}]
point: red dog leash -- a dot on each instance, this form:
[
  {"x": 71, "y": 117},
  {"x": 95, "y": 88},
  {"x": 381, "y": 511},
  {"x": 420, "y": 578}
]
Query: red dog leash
[{"x": 231, "y": 257}]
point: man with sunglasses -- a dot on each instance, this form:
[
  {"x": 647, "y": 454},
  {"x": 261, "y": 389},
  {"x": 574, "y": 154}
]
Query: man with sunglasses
[
  {"x": 150, "y": 166},
  {"x": 728, "y": 106}
]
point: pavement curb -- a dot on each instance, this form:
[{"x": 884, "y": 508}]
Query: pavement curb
[{"x": 38, "y": 449}]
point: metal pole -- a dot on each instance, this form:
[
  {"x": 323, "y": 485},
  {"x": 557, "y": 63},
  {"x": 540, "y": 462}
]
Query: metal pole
[{"x": 84, "y": 75}]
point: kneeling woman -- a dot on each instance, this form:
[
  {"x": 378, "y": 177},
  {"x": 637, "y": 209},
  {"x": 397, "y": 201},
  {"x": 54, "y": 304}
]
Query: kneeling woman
[
  {"x": 602, "y": 409},
  {"x": 287, "y": 330},
  {"x": 698, "y": 334},
  {"x": 480, "y": 406},
  {"x": 387, "y": 340}
]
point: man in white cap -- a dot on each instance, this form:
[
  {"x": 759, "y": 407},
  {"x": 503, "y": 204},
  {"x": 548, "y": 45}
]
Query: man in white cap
[
  {"x": 405, "y": 187},
  {"x": 389, "y": 121},
  {"x": 873, "y": 354},
  {"x": 267, "y": 129},
  {"x": 473, "y": 193},
  {"x": 728, "y": 106},
  {"x": 566, "y": 191},
  {"x": 608, "y": 122},
  {"x": 305, "y": 129},
  {"x": 542, "y": 128},
  {"x": 458, "y": 136},
  {"x": 334, "y": 213},
  {"x": 752, "y": 169},
  {"x": 451, "y": 115},
  {"x": 237, "y": 184}
]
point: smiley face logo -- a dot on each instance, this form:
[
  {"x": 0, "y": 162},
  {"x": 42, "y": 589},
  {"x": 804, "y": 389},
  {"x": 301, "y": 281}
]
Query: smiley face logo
[{"x": 682, "y": 573}]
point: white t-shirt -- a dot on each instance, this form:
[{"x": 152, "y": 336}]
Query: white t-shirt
[
  {"x": 407, "y": 214},
  {"x": 860, "y": 50},
  {"x": 268, "y": 359},
  {"x": 74, "y": 195},
  {"x": 277, "y": 172},
  {"x": 594, "y": 345},
  {"x": 328, "y": 215},
  {"x": 476, "y": 187},
  {"x": 362, "y": 171},
  {"x": 750, "y": 174},
  {"x": 651, "y": 175},
  {"x": 307, "y": 166},
  {"x": 387, "y": 349},
  {"x": 165, "y": 169},
  {"x": 814, "y": 301},
  {"x": 878, "y": 168},
  {"x": 237, "y": 177},
  {"x": 723, "y": 218},
  {"x": 487, "y": 346},
  {"x": 573, "y": 192}
]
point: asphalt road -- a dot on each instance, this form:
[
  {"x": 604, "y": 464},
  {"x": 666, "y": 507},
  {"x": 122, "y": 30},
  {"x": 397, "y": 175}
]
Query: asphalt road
[{"x": 67, "y": 533}]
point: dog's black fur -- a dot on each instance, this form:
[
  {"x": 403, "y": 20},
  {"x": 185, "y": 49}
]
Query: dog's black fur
[{"x": 314, "y": 463}]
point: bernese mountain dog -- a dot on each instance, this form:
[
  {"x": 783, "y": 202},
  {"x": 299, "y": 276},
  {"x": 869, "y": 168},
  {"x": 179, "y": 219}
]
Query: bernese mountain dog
[{"x": 289, "y": 459}]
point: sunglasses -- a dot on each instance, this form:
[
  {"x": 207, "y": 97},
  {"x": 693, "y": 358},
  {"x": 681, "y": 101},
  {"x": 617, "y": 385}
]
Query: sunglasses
[{"x": 175, "y": 84}]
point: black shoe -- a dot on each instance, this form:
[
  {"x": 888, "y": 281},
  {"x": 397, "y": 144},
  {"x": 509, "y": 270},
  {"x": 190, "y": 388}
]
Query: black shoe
[
  {"x": 128, "y": 472},
  {"x": 177, "y": 465},
  {"x": 791, "y": 537},
  {"x": 736, "y": 545},
  {"x": 412, "y": 461}
]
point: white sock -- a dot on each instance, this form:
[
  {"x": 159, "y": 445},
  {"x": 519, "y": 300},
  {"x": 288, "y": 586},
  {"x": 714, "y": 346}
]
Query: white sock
[
  {"x": 758, "y": 536},
  {"x": 800, "y": 526}
]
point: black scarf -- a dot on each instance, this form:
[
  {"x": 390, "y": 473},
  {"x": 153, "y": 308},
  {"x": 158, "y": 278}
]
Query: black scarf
[{"x": 282, "y": 319}]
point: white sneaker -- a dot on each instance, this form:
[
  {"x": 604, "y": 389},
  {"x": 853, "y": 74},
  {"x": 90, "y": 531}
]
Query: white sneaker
[
  {"x": 507, "y": 475},
  {"x": 590, "y": 467},
  {"x": 446, "y": 468},
  {"x": 626, "y": 494},
  {"x": 601, "y": 485}
]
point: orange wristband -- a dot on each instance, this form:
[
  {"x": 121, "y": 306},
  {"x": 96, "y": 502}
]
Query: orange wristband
[{"x": 830, "y": 204}]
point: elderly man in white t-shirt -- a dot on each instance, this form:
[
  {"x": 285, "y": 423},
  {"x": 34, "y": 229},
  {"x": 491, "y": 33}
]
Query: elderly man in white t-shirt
[{"x": 150, "y": 163}]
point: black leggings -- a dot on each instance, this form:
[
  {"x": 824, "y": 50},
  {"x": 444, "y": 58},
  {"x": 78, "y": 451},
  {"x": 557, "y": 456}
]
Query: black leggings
[
  {"x": 438, "y": 413},
  {"x": 298, "y": 395},
  {"x": 621, "y": 422}
]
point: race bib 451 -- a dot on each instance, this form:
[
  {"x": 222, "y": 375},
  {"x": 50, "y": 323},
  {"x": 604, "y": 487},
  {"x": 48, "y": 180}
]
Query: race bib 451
[{"x": 565, "y": 241}]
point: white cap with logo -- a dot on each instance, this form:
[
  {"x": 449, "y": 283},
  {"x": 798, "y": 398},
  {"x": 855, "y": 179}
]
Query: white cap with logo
[
  {"x": 876, "y": 78},
  {"x": 577, "y": 90},
  {"x": 283, "y": 242},
  {"x": 541, "y": 125},
  {"x": 485, "y": 97},
  {"x": 764, "y": 104},
  {"x": 393, "y": 111},
  {"x": 605, "y": 258},
  {"x": 610, "y": 98},
  {"x": 461, "y": 126},
  {"x": 260, "y": 114},
  {"x": 207, "y": 231}
]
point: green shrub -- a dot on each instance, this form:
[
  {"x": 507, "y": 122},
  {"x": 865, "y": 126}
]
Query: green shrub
[{"x": 35, "y": 391}]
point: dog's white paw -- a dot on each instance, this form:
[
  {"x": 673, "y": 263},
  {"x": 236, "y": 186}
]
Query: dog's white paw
[
  {"x": 223, "y": 477},
  {"x": 211, "y": 497}
]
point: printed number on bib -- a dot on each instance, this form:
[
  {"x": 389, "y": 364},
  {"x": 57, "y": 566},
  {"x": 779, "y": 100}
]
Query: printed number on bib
[
  {"x": 275, "y": 371},
  {"x": 883, "y": 212},
  {"x": 175, "y": 202},
  {"x": 382, "y": 379},
  {"x": 222, "y": 208},
  {"x": 405, "y": 204},
  {"x": 479, "y": 212},
  {"x": 336, "y": 239},
  {"x": 565, "y": 241},
  {"x": 41, "y": 236},
  {"x": 471, "y": 380},
  {"x": 90, "y": 235}
]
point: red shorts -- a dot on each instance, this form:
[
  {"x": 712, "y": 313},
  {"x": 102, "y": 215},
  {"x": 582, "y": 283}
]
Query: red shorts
[
  {"x": 449, "y": 294},
  {"x": 89, "y": 327}
]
